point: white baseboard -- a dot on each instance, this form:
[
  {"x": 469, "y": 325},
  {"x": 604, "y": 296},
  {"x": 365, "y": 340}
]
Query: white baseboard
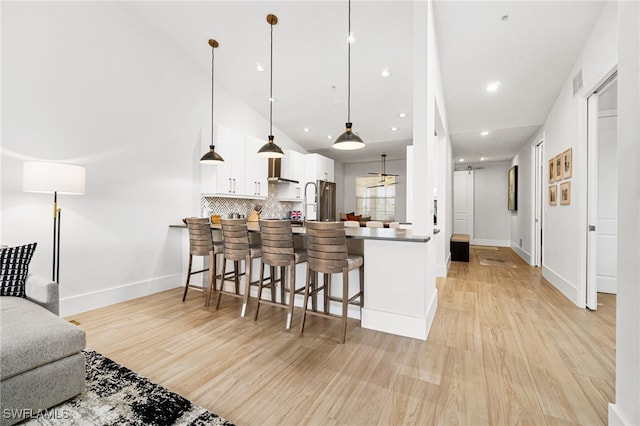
[
  {"x": 564, "y": 286},
  {"x": 98, "y": 299},
  {"x": 607, "y": 285},
  {"x": 522, "y": 253},
  {"x": 615, "y": 416},
  {"x": 492, "y": 243},
  {"x": 443, "y": 270},
  {"x": 401, "y": 325}
]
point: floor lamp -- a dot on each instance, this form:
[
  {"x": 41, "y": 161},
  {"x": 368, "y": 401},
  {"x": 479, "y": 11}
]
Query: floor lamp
[{"x": 54, "y": 178}]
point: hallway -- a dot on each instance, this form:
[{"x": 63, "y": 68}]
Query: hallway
[{"x": 505, "y": 348}]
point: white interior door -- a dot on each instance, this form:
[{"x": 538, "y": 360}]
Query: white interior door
[
  {"x": 607, "y": 222},
  {"x": 602, "y": 193},
  {"x": 463, "y": 203}
]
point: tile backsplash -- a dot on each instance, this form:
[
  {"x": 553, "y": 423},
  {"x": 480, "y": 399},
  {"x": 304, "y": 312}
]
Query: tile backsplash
[{"x": 272, "y": 208}]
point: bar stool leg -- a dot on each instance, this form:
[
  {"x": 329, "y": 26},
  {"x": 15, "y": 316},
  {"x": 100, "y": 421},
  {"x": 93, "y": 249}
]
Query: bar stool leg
[
  {"x": 224, "y": 271},
  {"x": 362, "y": 286},
  {"x": 283, "y": 274},
  {"x": 327, "y": 292},
  {"x": 272, "y": 283},
  {"x": 236, "y": 268},
  {"x": 345, "y": 302},
  {"x": 292, "y": 292},
  {"x": 247, "y": 284},
  {"x": 255, "y": 318},
  {"x": 212, "y": 277},
  {"x": 305, "y": 299},
  {"x": 186, "y": 287}
]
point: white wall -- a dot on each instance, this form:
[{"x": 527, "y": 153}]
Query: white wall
[
  {"x": 626, "y": 410},
  {"x": 564, "y": 263},
  {"x": 522, "y": 240},
  {"x": 85, "y": 83},
  {"x": 338, "y": 178},
  {"x": 490, "y": 205},
  {"x": 353, "y": 170}
]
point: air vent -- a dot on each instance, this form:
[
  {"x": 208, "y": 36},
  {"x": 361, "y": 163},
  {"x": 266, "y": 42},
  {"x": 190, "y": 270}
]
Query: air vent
[{"x": 577, "y": 82}]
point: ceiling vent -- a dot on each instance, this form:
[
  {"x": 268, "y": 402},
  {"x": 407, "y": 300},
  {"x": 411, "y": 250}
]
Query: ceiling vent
[{"x": 577, "y": 82}]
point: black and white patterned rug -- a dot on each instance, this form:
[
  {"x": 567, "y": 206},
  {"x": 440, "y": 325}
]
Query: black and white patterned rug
[{"x": 115, "y": 395}]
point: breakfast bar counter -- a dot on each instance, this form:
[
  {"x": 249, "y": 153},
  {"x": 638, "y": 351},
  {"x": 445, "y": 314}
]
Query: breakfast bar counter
[{"x": 400, "y": 294}]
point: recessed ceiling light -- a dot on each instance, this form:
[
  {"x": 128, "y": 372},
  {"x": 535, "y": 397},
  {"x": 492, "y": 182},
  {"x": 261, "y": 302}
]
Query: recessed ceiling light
[
  {"x": 484, "y": 133},
  {"x": 329, "y": 137},
  {"x": 351, "y": 38},
  {"x": 402, "y": 115},
  {"x": 482, "y": 158},
  {"x": 259, "y": 67},
  {"x": 385, "y": 72},
  {"x": 306, "y": 130},
  {"x": 461, "y": 160},
  {"x": 394, "y": 129},
  {"x": 492, "y": 87}
]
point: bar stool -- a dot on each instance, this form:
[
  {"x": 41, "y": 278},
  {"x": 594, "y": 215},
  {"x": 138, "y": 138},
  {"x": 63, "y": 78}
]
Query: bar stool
[
  {"x": 235, "y": 240},
  {"x": 201, "y": 244},
  {"x": 394, "y": 225},
  {"x": 278, "y": 251},
  {"x": 327, "y": 254},
  {"x": 351, "y": 224}
]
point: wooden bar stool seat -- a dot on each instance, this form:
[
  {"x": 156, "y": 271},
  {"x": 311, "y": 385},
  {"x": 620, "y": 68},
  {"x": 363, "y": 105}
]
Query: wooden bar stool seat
[
  {"x": 278, "y": 251},
  {"x": 201, "y": 243},
  {"x": 327, "y": 253},
  {"x": 237, "y": 248}
]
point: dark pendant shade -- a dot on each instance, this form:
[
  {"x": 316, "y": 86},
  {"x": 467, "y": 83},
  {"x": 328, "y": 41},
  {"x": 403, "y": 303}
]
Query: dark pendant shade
[
  {"x": 211, "y": 157},
  {"x": 348, "y": 140},
  {"x": 270, "y": 150}
]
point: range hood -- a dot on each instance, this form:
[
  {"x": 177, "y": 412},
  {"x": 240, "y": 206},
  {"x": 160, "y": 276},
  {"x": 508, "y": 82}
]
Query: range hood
[{"x": 274, "y": 172}]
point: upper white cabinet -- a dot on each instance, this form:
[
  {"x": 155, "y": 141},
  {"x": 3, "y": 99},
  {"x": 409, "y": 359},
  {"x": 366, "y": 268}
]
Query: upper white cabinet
[
  {"x": 318, "y": 167},
  {"x": 293, "y": 167},
  {"x": 243, "y": 174}
]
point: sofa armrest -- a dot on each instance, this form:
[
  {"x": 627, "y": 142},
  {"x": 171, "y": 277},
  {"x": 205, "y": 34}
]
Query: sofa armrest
[{"x": 44, "y": 292}]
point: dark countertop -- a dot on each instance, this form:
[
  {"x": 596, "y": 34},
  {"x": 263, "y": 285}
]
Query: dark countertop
[{"x": 387, "y": 234}]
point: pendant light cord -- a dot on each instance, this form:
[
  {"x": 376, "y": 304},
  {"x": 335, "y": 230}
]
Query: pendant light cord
[
  {"x": 213, "y": 49},
  {"x": 271, "y": 85},
  {"x": 349, "y": 68}
]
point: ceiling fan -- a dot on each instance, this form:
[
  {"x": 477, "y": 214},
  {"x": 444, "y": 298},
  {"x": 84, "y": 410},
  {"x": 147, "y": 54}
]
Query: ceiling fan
[{"x": 384, "y": 181}]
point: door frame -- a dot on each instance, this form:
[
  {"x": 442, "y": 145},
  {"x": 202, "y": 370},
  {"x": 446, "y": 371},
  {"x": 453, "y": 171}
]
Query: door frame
[
  {"x": 591, "y": 190},
  {"x": 539, "y": 195},
  {"x": 470, "y": 200}
]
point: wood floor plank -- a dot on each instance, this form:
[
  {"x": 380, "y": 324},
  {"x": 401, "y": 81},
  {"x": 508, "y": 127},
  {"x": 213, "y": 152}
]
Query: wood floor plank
[{"x": 505, "y": 347}]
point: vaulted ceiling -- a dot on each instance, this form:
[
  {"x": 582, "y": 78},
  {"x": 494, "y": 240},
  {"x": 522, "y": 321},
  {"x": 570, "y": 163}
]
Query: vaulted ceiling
[{"x": 531, "y": 53}]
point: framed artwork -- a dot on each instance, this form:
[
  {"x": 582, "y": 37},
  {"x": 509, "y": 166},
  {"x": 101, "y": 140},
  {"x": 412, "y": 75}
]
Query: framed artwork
[
  {"x": 565, "y": 193},
  {"x": 552, "y": 170},
  {"x": 567, "y": 163},
  {"x": 558, "y": 167},
  {"x": 553, "y": 195},
  {"x": 513, "y": 189}
]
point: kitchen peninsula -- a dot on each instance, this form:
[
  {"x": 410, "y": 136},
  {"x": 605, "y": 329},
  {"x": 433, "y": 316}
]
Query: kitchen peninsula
[{"x": 397, "y": 298}]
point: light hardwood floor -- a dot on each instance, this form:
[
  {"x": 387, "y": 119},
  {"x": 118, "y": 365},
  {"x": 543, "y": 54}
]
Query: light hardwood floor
[{"x": 505, "y": 348}]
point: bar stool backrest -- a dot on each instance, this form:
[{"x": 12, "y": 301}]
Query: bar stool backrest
[
  {"x": 200, "y": 237},
  {"x": 235, "y": 239},
  {"x": 326, "y": 247},
  {"x": 277, "y": 242}
]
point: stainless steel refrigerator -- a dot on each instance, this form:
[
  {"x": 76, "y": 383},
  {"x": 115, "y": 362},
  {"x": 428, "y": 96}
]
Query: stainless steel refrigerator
[{"x": 321, "y": 204}]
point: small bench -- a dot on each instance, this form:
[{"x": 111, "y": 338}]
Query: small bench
[{"x": 459, "y": 247}]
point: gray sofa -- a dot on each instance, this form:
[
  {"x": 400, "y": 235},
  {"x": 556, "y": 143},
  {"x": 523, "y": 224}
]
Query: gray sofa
[{"x": 41, "y": 364}]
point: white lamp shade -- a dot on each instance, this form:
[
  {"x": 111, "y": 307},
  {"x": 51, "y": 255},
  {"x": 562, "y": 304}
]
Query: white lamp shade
[{"x": 39, "y": 176}]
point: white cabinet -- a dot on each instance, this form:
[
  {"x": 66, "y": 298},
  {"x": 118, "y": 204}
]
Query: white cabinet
[
  {"x": 318, "y": 167},
  {"x": 256, "y": 168},
  {"x": 243, "y": 174},
  {"x": 293, "y": 167}
]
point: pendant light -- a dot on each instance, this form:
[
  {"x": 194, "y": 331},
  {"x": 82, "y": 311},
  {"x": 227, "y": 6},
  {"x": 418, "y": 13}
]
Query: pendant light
[
  {"x": 212, "y": 157},
  {"x": 270, "y": 149},
  {"x": 349, "y": 140}
]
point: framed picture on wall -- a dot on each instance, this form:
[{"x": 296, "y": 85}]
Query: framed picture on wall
[
  {"x": 553, "y": 195},
  {"x": 513, "y": 189},
  {"x": 565, "y": 193},
  {"x": 567, "y": 163},
  {"x": 558, "y": 167},
  {"x": 552, "y": 170}
]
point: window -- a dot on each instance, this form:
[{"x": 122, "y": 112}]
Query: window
[{"x": 376, "y": 197}]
